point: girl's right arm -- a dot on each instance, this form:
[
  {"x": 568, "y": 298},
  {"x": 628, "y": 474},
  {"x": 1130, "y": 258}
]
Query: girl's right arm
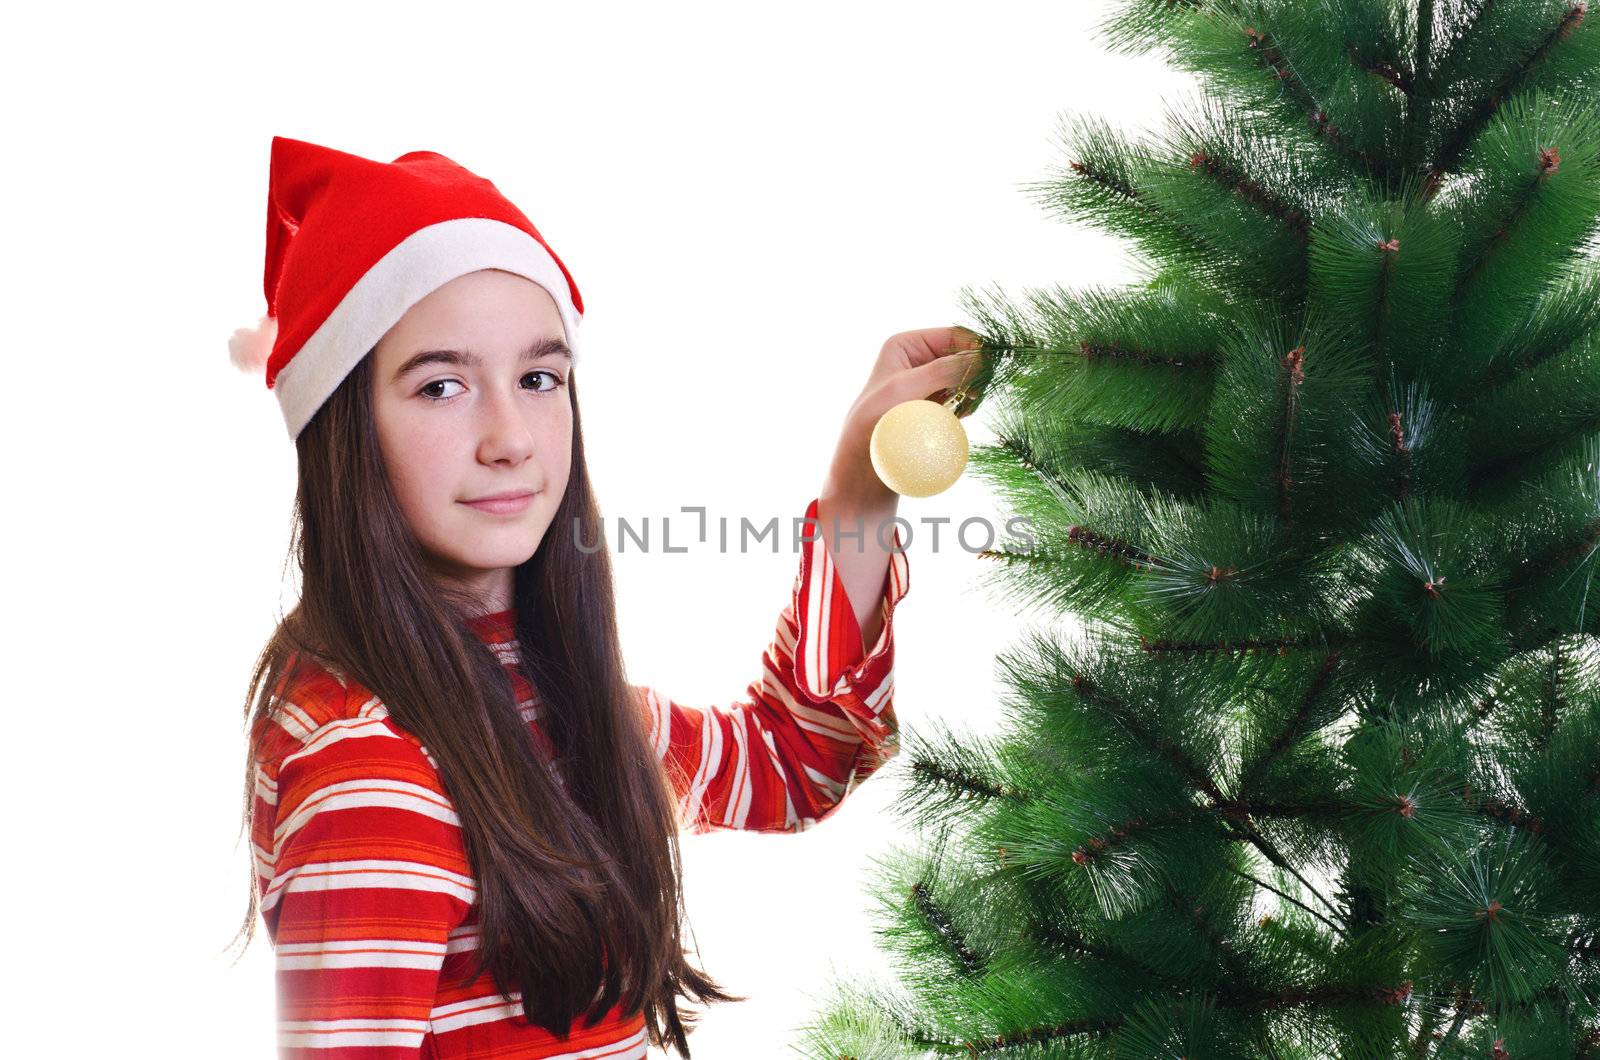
[
  {"x": 816, "y": 723},
  {"x": 364, "y": 877}
]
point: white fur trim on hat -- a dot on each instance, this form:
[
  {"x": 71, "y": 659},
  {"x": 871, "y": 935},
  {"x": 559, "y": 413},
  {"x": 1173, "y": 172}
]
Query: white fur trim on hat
[{"x": 421, "y": 263}]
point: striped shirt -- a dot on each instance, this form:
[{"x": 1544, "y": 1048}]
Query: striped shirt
[{"x": 365, "y": 887}]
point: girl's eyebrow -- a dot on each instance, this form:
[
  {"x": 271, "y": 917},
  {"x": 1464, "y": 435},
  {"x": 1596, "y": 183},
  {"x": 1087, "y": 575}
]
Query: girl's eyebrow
[{"x": 546, "y": 347}]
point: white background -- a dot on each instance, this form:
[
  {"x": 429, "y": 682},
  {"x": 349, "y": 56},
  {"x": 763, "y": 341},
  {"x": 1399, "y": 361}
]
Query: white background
[{"x": 751, "y": 198}]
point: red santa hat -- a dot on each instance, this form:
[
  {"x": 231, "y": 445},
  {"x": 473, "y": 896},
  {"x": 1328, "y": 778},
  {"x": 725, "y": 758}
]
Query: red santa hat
[{"x": 353, "y": 243}]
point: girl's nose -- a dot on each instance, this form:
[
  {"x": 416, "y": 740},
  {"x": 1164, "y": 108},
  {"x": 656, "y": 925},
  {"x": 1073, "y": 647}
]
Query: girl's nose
[{"x": 504, "y": 435}]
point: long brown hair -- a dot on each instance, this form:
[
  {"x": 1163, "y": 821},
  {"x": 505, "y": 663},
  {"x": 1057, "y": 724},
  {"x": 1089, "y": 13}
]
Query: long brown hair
[{"x": 580, "y": 882}]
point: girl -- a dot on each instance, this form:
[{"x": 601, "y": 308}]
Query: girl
[{"x": 464, "y": 818}]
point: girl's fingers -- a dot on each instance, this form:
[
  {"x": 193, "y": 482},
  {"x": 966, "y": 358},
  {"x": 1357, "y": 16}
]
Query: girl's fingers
[
  {"x": 927, "y": 345},
  {"x": 937, "y": 378}
]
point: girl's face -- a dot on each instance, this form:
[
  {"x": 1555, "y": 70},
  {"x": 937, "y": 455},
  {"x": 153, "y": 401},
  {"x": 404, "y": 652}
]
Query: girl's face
[{"x": 471, "y": 401}]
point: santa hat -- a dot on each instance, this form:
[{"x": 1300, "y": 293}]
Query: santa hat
[{"x": 353, "y": 243}]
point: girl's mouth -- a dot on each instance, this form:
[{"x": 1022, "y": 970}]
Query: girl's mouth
[{"x": 502, "y": 505}]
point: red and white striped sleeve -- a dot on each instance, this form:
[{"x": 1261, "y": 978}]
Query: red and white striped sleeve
[
  {"x": 817, "y": 721},
  {"x": 364, "y": 877}
]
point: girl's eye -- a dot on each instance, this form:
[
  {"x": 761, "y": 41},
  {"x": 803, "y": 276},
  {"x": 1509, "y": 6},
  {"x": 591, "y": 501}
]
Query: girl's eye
[
  {"x": 437, "y": 382},
  {"x": 555, "y": 380},
  {"x": 428, "y": 391}
]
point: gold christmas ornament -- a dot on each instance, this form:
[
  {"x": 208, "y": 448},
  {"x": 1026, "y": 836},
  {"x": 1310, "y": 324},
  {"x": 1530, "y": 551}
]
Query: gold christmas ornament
[{"x": 919, "y": 447}]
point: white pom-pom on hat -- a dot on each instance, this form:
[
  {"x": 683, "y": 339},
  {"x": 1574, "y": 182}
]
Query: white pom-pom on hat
[{"x": 249, "y": 348}]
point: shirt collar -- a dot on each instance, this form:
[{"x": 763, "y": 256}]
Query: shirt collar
[{"x": 497, "y": 627}]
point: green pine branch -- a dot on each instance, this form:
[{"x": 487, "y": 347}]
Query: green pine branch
[{"x": 1305, "y": 759}]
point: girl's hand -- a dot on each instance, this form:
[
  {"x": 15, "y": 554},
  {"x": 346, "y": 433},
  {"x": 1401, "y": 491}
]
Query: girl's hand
[{"x": 928, "y": 363}]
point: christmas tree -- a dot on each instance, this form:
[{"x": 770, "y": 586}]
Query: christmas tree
[{"x": 1303, "y": 760}]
